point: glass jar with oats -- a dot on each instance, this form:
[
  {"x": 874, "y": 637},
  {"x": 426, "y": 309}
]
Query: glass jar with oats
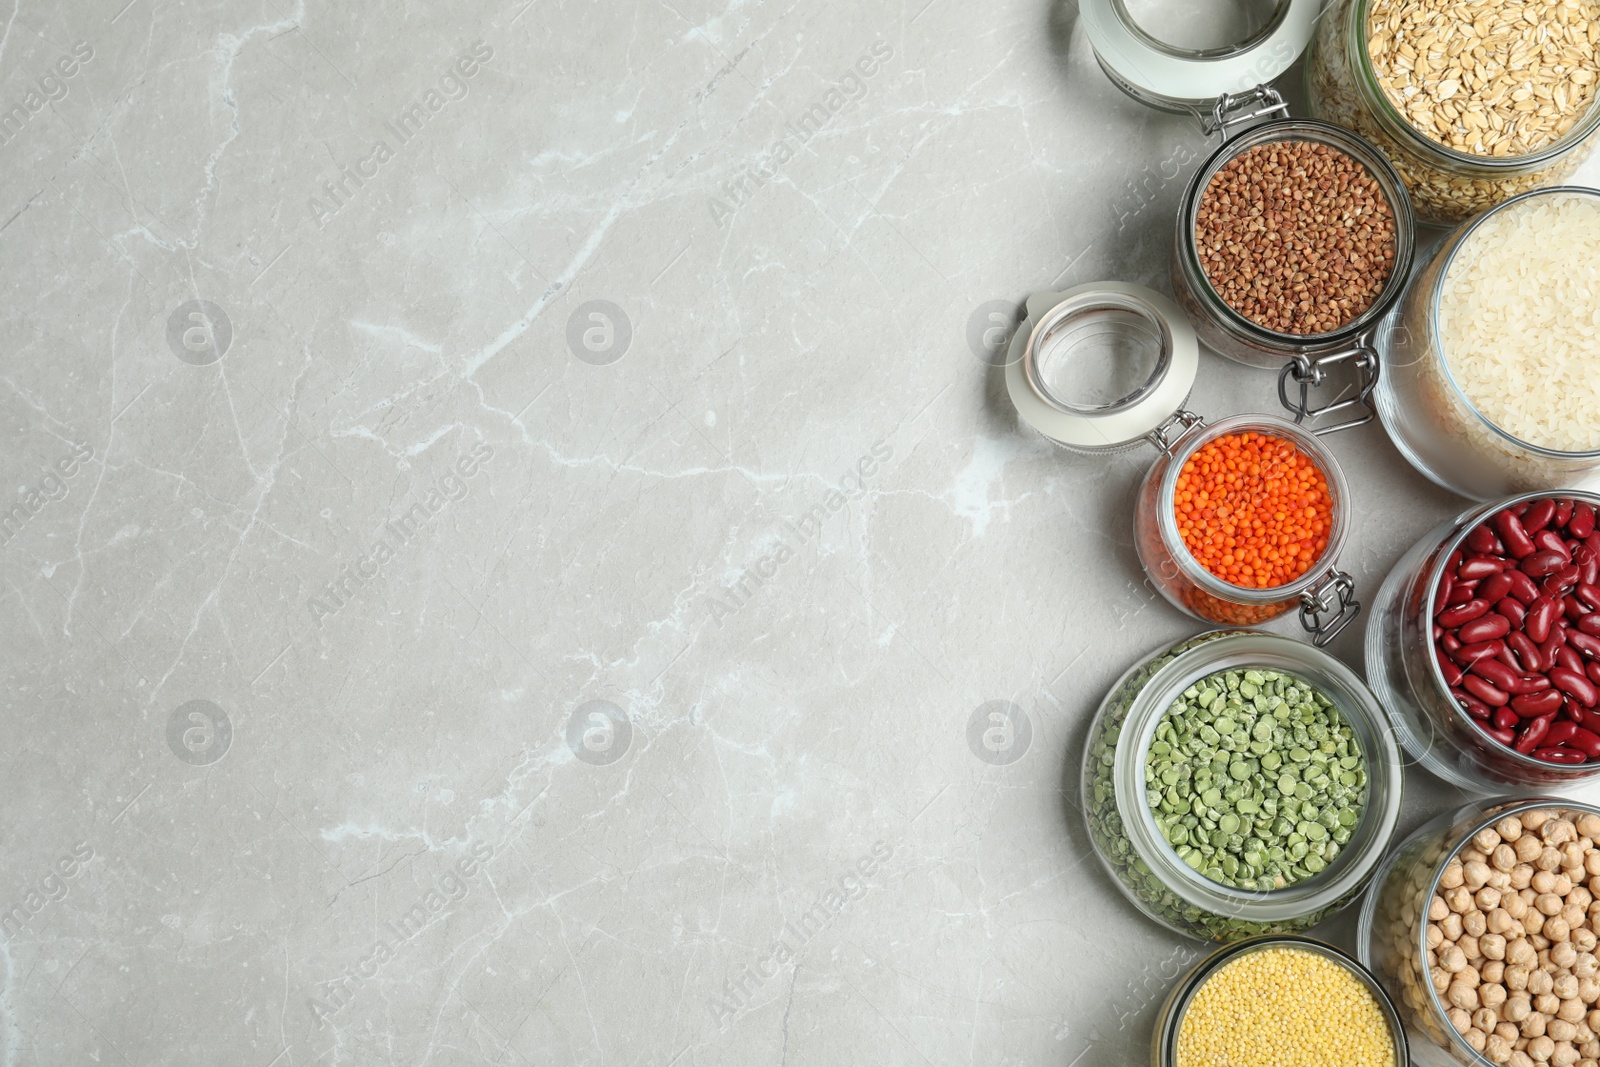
[
  {"x": 1490, "y": 380},
  {"x": 1473, "y": 101}
]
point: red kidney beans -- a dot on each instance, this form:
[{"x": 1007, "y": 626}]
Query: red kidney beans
[
  {"x": 1471, "y": 704},
  {"x": 1480, "y": 567},
  {"x": 1522, "y": 587},
  {"x": 1516, "y": 628},
  {"x": 1561, "y": 582},
  {"x": 1537, "y": 705},
  {"x": 1585, "y": 741},
  {"x": 1496, "y": 674},
  {"x": 1495, "y": 588},
  {"x": 1528, "y": 658},
  {"x": 1560, "y": 733},
  {"x": 1550, "y": 541},
  {"x": 1466, "y": 654},
  {"x": 1457, "y": 614},
  {"x": 1485, "y": 691},
  {"x": 1483, "y": 541},
  {"x": 1573, "y": 683},
  {"x": 1541, "y": 563},
  {"x": 1485, "y": 628},
  {"x": 1538, "y": 515},
  {"x": 1541, "y": 616},
  {"x": 1532, "y": 734},
  {"x": 1513, "y": 534}
]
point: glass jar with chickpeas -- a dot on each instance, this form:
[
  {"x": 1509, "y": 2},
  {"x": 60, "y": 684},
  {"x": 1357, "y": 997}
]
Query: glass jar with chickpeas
[{"x": 1483, "y": 927}]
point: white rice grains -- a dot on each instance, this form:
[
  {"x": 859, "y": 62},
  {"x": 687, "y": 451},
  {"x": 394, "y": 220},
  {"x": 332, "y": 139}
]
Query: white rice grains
[{"x": 1519, "y": 320}]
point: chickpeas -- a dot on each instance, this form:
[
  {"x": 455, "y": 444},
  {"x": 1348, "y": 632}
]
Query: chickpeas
[{"x": 1512, "y": 940}]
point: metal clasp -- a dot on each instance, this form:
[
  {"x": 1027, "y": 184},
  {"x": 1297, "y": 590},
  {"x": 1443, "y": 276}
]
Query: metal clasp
[
  {"x": 1174, "y": 429},
  {"x": 1222, "y": 116},
  {"x": 1336, "y": 592},
  {"x": 1311, "y": 373}
]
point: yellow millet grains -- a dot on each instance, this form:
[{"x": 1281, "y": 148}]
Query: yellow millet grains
[{"x": 1284, "y": 1007}]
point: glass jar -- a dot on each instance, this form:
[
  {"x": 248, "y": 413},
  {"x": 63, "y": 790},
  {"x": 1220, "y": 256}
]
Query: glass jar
[
  {"x": 1404, "y": 671},
  {"x": 1295, "y": 356},
  {"x": 1447, "y": 187},
  {"x": 1107, "y": 366},
  {"x": 1223, "y": 85},
  {"x": 1392, "y": 934},
  {"x": 1169, "y": 1023},
  {"x": 1146, "y": 869},
  {"x": 1430, "y": 419}
]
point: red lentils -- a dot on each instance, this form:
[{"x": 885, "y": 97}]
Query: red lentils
[{"x": 1253, "y": 509}]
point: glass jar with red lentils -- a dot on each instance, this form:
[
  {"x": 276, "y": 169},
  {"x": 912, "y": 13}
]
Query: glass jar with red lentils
[
  {"x": 1238, "y": 521},
  {"x": 1484, "y": 644},
  {"x": 1295, "y": 237}
]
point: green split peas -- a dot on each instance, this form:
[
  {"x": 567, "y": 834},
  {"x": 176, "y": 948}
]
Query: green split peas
[{"x": 1255, "y": 779}]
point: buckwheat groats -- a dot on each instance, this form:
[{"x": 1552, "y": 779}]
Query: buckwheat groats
[{"x": 1296, "y": 236}]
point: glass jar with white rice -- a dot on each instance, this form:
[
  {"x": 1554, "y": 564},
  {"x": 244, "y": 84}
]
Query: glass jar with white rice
[{"x": 1491, "y": 379}]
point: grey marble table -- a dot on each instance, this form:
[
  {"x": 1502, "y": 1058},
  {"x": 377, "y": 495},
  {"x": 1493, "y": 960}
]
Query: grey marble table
[{"x": 508, "y": 515}]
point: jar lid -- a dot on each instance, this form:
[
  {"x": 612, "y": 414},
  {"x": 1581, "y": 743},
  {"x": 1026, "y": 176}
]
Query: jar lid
[
  {"x": 1101, "y": 366},
  {"x": 1139, "y": 62}
]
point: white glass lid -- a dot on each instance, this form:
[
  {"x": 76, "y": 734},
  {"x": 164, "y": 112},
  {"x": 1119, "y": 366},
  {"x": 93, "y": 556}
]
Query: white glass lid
[
  {"x": 1101, "y": 366},
  {"x": 1180, "y": 50}
]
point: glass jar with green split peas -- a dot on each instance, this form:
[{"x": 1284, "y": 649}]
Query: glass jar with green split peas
[{"x": 1224, "y": 802}]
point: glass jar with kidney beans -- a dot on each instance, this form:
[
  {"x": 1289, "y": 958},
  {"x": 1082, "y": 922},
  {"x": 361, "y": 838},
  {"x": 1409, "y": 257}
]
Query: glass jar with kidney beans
[
  {"x": 1108, "y": 366},
  {"x": 1485, "y": 644}
]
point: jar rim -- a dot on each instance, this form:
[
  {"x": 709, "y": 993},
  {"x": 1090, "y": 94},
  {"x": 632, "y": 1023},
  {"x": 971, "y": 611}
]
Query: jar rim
[
  {"x": 1395, "y": 124},
  {"x": 1355, "y": 703},
  {"x": 1176, "y": 1009},
  {"x": 1303, "y": 439},
  {"x": 1470, "y": 520},
  {"x": 1281, "y": 12},
  {"x": 1364, "y": 153},
  {"x": 1458, "y": 241}
]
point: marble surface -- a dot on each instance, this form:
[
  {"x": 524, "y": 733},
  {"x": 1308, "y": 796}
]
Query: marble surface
[{"x": 514, "y": 514}]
